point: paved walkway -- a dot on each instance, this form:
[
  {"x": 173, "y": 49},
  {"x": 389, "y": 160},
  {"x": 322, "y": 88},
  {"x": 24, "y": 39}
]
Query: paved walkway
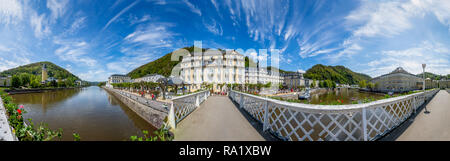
[
  {"x": 434, "y": 126},
  {"x": 217, "y": 119}
]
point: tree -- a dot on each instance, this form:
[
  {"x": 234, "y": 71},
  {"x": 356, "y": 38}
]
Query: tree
[
  {"x": 321, "y": 84},
  {"x": 267, "y": 85},
  {"x": 313, "y": 84},
  {"x": 25, "y": 79},
  {"x": 362, "y": 84},
  {"x": 15, "y": 81}
]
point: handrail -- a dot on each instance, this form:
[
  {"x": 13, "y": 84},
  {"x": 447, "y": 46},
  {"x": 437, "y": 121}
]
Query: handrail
[
  {"x": 182, "y": 106},
  {"x": 298, "y": 121}
]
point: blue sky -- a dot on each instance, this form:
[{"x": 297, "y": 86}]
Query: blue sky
[{"x": 94, "y": 39}]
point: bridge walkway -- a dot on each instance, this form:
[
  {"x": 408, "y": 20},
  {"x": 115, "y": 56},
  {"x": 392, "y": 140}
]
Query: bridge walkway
[
  {"x": 434, "y": 126},
  {"x": 217, "y": 119}
]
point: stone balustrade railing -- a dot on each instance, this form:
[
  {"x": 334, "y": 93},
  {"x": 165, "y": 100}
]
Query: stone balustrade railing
[
  {"x": 159, "y": 106},
  {"x": 356, "y": 122},
  {"x": 182, "y": 106}
]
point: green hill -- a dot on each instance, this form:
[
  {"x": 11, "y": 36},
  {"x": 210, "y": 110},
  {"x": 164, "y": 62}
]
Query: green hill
[
  {"x": 162, "y": 66},
  {"x": 36, "y": 69},
  {"x": 338, "y": 74},
  {"x": 433, "y": 76}
]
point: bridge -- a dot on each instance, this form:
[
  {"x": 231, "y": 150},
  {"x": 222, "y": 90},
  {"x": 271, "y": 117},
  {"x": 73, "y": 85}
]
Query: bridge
[
  {"x": 241, "y": 116},
  {"x": 199, "y": 117}
]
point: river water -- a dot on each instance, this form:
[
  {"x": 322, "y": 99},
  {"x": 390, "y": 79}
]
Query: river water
[{"x": 91, "y": 112}]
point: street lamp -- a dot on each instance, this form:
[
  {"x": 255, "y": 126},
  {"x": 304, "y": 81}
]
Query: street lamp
[
  {"x": 423, "y": 67},
  {"x": 423, "y": 87}
]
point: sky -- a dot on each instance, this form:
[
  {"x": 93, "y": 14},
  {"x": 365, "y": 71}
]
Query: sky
[{"x": 96, "y": 38}]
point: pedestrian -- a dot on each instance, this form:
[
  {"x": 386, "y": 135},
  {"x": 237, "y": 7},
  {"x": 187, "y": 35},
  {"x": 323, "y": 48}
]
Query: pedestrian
[{"x": 153, "y": 96}]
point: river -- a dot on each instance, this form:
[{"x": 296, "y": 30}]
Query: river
[{"x": 91, "y": 112}]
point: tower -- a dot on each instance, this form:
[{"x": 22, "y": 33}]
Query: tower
[{"x": 44, "y": 73}]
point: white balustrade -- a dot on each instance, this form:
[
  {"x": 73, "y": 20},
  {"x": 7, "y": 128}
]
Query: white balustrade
[
  {"x": 182, "y": 106},
  {"x": 297, "y": 121}
]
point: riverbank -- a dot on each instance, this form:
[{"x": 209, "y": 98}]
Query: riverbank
[
  {"x": 156, "y": 116},
  {"x": 35, "y": 90}
]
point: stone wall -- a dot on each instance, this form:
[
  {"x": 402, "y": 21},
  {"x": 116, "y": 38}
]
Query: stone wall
[{"x": 151, "y": 115}]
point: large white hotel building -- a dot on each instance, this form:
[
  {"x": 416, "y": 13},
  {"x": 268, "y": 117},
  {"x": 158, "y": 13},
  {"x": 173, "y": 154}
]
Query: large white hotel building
[
  {"x": 220, "y": 67},
  {"x": 213, "y": 67}
]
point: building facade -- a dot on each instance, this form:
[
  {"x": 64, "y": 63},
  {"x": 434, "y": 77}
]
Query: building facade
[
  {"x": 118, "y": 78},
  {"x": 5, "y": 81},
  {"x": 398, "y": 80},
  {"x": 213, "y": 67},
  {"x": 296, "y": 80},
  {"x": 255, "y": 75}
]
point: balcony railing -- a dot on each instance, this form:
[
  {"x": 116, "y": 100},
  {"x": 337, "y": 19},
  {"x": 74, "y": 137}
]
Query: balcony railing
[
  {"x": 296, "y": 121},
  {"x": 182, "y": 106}
]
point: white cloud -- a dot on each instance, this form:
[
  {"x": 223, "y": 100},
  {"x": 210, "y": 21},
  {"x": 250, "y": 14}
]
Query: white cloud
[
  {"x": 153, "y": 35},
  {"x": 40, "y": 25},
  {"x": 192, "y": 7},
  {"x": 119, "y": 14},
  {"x": 10, "y": 11},
  {"x": 74, "y": 51},
  {"x": 214, "y": 27},
  {"x": 57, "y": 8},
  {"x": 12, "y": 56},
  {"x": 434, "y": 54}
]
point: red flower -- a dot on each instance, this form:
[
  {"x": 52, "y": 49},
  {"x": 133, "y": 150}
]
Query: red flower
[
  {"x": 21, "y": 106},
  {"x": 19, "y": 111}
]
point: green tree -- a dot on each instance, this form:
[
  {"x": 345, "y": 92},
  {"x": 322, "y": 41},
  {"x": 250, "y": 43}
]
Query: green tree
[
  {"x": 362, "y": 84},
  {"x": 15, "y": 81},
  {"x": 25, "y": 79},
  {"x": 313, "y": 84}
]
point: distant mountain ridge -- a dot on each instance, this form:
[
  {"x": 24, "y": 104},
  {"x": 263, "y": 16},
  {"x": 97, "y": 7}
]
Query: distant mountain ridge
[
  {"x": 53, "y": 70},
  {"x": 433, "y": 76},
  {"x": 338, "y": 74}
]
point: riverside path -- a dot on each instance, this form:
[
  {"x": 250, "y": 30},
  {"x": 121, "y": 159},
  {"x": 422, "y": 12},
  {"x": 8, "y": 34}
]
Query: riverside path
[
  {"x": 217, "y": 119},
  {"x": 434, "y": 126}
]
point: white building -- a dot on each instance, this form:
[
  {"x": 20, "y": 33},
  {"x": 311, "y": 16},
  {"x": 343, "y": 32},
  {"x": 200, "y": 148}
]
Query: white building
[
  {"x": 148, "y": 78},
  {"x": 118, "y": 78},
  {"x": 262, "y": 75},
  {"x": 213, "y": 67},
  {"x": 296, "y": 80},
  {"x": 5, "y": 81}
]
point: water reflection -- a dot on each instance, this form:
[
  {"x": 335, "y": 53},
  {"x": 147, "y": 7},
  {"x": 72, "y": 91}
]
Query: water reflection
[
  {"x": 91, "y": 112},
  {"x": 343, "y": 94}
]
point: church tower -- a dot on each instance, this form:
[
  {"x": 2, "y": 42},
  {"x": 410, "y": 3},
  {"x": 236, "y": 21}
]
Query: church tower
[{"x": 44, "y": 73}]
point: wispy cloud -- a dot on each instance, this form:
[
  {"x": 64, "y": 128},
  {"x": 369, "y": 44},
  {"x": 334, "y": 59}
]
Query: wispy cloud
[
  {"x": 152, "y": 35},
  {"x": 213, "y": 27},
  {"x": 192, "y": 7},
  {"x": 74, "y": 51},
  {"x": 57, "y": 8},
  {"x": 119, "y": 14},
  {"x": 40, "y": 25},
  {"x": 11, "y": 11},
  {"x": 434, "y": 54}
]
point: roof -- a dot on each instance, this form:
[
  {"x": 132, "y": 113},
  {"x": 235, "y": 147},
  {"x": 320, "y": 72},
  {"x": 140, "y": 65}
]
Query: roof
[
  {"x": 396, "y": 71},
  {"x": 121, "y": 75}
]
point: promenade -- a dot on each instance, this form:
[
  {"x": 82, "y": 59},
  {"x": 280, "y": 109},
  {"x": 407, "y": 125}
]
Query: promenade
[
  {"x": 434, "y": 126},
  {"x": 217, "y": 119}
]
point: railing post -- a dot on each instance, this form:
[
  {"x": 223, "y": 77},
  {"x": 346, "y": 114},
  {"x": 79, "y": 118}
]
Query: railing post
[
  {"x": 364, "y": 123},
  {"x": 197, "y": 102},
  {"x": 171, "y": 117},
  {"x": 266, "y": 116},
  {"x": 414, "y": 104},
  {"x": 241, "y": 104}
]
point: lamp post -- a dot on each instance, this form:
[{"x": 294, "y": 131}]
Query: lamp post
[{"x": 423, "y": 67}]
